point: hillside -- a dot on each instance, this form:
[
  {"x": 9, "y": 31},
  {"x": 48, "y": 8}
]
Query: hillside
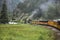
[{"x": 25, "y": 32}]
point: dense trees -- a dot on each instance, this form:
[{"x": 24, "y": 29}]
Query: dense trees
[
  {"x": 31, "y": 9},
  {"x": 27, "y": 7},
  {"x": 4, "y": 17},
  {"x": 53, "y": 11}
]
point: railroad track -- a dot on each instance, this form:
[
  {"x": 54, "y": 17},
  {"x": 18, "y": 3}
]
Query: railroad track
[{"x": 57, "y": 32}]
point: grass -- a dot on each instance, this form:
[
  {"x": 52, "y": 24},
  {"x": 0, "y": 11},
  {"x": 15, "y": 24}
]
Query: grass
[{"x": 25, "y": 32}]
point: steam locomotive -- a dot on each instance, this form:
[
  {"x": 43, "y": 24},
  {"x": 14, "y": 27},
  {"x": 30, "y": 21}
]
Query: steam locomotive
[{"x": 52, "y": 23}]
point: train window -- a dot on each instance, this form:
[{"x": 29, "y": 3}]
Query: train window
[{"x": 59, "y": 22}]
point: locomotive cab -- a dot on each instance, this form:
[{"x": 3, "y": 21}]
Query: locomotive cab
[{"x": 58, "y": 25}]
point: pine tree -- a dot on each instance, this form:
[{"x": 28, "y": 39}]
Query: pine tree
[{"x": 4, "y": 16}]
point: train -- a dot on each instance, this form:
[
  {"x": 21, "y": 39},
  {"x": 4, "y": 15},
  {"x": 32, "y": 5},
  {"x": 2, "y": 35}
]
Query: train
[{"x": 52, "y": 23}]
